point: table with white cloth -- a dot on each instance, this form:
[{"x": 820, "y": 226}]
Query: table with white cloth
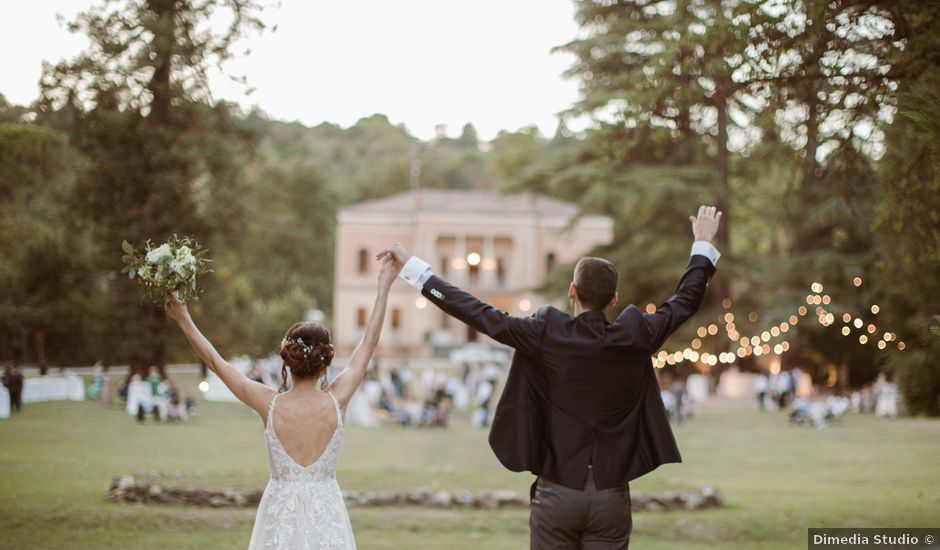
[
  {"x": 4, "y": 402},
  {"x": 70, "y": 387}
]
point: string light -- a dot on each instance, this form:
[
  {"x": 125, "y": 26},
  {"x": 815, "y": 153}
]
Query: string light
[{"x": 759, "y": 344}]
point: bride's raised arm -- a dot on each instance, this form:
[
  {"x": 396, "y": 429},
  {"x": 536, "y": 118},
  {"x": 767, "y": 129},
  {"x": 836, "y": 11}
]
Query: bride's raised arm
[
  {"x": 347, "y": 382},
  {"x": 255, "y": 395}
]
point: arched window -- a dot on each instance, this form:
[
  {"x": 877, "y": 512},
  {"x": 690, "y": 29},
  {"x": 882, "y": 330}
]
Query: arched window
[
  {"x": 363, "y": 261},
  {"x": 360, "y": 317},
  {"x": 549, "y": 261}
]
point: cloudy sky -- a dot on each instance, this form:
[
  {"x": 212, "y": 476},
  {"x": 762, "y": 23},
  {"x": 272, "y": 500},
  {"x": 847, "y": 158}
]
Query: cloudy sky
[{"x": 421, "y": 62}]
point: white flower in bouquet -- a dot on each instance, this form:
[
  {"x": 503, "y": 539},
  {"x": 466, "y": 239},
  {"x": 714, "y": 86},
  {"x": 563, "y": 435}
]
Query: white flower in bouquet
[
  {"x": 160, "y": 254},
  {"x": 170, "y": 267}
]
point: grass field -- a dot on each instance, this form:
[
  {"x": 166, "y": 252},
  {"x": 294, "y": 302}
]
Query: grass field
[{"x": 57, "y": 460}]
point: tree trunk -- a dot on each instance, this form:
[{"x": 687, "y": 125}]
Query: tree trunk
[
  {"x": 40, "y": 339},
  {"x": 164, "y": 40},
  {"x": 5, "y": 346},
  {"x": 24, "y": 347}
]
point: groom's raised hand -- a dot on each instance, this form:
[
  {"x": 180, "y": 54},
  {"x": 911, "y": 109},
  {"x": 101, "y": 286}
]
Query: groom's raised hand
[{"x": 705, "y": 225}]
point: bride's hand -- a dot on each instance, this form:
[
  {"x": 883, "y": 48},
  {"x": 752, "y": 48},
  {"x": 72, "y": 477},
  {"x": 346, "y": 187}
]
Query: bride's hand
[
  {"x": 389, "y": 271},
  {"x": 175, "y": 309},
  {"x": 396, "y": 252}
]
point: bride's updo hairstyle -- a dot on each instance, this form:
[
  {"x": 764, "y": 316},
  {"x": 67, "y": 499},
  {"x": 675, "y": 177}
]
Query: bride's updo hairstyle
[{"x": 306, "y": 351}]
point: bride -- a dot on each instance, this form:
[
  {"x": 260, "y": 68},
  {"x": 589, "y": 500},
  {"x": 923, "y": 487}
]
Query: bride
[{"x": 302, "y": 506}]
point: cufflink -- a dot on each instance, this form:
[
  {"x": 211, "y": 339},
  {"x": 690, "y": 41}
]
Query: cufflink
[{"x": 437, "y": 294}]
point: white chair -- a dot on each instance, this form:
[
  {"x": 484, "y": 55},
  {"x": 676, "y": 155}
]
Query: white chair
[{"x": 4, "y": 402}]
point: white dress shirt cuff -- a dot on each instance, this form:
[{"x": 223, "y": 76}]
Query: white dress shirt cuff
[
  {"x": 707, "y": 249},
  {"x": 416, "y": 272}
]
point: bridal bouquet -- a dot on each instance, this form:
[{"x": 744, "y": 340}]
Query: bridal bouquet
[{"x": 170, "y": 267}]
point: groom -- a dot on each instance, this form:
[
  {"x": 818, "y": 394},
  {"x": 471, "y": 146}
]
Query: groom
[{"x": 581, "y": 408}]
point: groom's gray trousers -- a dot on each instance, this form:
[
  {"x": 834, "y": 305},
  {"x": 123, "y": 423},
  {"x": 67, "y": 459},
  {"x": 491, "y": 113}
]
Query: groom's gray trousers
[{"x": 568, "y": 519}]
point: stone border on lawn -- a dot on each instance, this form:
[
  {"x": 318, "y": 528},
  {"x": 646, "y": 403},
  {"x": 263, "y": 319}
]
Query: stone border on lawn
[{"x": 129, "y": 489}]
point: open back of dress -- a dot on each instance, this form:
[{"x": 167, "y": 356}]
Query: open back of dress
[{"x": 302, "y": 507}]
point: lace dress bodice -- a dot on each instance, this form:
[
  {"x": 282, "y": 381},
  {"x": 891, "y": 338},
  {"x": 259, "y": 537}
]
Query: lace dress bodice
[
  {"x": 284, "y": 468},
  {"x": 302, "y": 507}
]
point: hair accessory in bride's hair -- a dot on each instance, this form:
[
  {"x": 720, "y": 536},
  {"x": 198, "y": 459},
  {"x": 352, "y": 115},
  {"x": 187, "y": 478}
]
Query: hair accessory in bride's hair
[{"x": 307, "y": 349}]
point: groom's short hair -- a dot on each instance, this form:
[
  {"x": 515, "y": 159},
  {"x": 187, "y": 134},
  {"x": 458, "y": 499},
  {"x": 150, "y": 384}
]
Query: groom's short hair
[{"x": 595, "y": 282}]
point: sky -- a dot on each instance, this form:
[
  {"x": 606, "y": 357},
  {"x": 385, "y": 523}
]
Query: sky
[{"x": 420, "y": 62}]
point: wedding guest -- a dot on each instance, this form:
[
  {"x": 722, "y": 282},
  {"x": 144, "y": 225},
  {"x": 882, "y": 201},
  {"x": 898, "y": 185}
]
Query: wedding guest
[
  {"x": 154, "y": 380},
  {"x": 105, "y": 386},
  {"x": 94, "y": 390},
  {"x": 176, "y": 408},
  {"x": 681, "y": 400},
  {"x": 397, "y": 383},
  {"x": 13, "y": 380},
  {"x": 485, "y": 390},
  {"x": 783, "y": 387},
  {"x": 669, "y": 403},
  {"x": 760, "y": 389}
]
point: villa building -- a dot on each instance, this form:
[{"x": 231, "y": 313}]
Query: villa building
[{"x": 498, "y": 247}]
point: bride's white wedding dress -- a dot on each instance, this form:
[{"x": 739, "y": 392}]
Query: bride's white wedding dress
[{"x": 302, "y": 507}]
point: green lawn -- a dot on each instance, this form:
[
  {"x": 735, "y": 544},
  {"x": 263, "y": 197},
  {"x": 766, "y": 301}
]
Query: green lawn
[{"x": 57, "y": 459}]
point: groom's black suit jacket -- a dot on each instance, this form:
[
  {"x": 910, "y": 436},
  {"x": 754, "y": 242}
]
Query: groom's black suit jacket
[{"x": 581, "y": 390}]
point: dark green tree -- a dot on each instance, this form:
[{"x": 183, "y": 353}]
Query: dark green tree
[
  {"x": 137, "y": 104},
  {"x": 45, "y": 271},
  {"x": 908, "y": 235}
]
